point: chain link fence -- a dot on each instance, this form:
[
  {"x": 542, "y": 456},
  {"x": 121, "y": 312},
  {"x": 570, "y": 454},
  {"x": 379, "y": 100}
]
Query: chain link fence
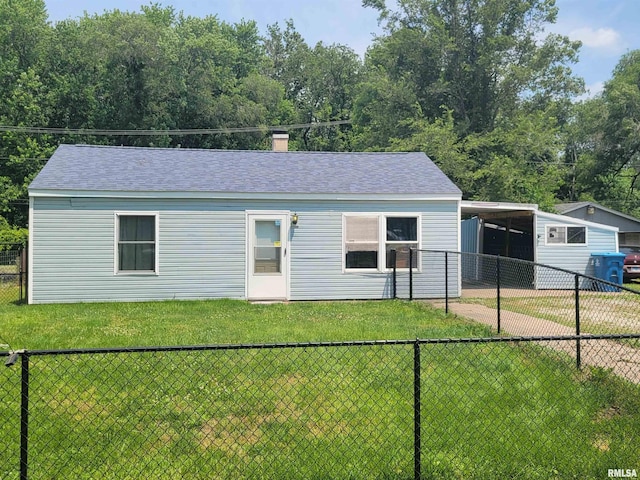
[
  {"x": 12, "y": 273},
  {"x": 466, "y": 408},
  {"x": 524, "y": 298}
]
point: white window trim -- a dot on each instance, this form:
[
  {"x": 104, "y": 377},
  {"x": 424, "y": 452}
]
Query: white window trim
[
  {"x": 382, "y": 241},
  {"x": 565, "y": 244},
  {"x": 344, "y": 243},
  {"x": 116, "y": 236}
]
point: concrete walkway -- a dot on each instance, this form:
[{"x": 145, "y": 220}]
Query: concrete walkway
[{"x": 622, "y": 359}]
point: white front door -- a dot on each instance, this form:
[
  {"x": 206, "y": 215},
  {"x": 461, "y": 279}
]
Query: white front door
[{"x": 267, "y": 256}]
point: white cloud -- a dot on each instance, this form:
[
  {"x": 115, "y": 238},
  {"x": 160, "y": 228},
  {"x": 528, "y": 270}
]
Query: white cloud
[
  {"x": 606, "y": 38},
  {"x": 591, "y": 91}
]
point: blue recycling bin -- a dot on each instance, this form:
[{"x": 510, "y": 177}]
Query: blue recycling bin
[{"x": 608, "y": 266}]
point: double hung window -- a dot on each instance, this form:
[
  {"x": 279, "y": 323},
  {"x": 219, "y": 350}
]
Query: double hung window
[
  {"x": 136, "y": 243},
  {"x": 370, "y": 238}
]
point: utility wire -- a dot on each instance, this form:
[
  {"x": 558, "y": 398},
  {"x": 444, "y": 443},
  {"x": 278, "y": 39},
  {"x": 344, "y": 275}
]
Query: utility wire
[{"x": 185, "y": 131}]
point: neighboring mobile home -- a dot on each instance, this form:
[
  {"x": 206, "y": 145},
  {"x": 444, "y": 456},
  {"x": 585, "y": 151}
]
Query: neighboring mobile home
[{"x": 127, "y": 223}]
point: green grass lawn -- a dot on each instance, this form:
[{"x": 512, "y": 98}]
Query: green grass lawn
[
  {"x": 633, "y": 284},
  {"x": 489, "y": 411},
  {"x": 220, "y": 322}
]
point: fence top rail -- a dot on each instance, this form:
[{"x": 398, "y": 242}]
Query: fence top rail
[
  {"x": 357, "y": 343},
  {"x": 529, "y": 262}
]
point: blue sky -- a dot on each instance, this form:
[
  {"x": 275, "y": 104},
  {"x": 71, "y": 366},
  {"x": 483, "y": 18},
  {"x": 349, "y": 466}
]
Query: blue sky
[{"x": 607, "y": 28}]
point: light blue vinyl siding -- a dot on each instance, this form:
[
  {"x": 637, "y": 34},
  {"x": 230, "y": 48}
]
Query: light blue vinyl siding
[
  {"x": 317, "y": 253},
  {"x": 576, "y": 258},
  {"x": 202, "y": 250},
  {"x": 73, "y": 252}
]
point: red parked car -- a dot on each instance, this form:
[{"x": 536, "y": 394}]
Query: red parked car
[{"x": 631, "y": 268}]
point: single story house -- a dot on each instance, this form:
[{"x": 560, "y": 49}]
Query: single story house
[
  {"x": 628, "y": 226},
  {"x": 522, "y": 231},
  {"x": 129, "y": 223}
]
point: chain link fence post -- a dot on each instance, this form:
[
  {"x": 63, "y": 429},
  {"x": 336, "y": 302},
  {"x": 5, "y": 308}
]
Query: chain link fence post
[
  {"x": 24, "y": 416},
  {"x": 417, "y": 424},
  {"x": 394, "y": 259},
  {"x": 577, "y": 295},
  {"x": 498, "y": 289},
  {"x": 446, "y": 282},
  {"x": 25, "y": 264}
]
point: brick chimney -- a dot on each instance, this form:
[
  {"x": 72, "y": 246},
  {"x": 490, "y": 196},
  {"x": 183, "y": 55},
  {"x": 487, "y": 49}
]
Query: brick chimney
[{"x": 280, "y": 141}]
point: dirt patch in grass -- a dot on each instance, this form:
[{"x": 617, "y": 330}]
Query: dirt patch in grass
[
  {"x": 234, "y": 434},
  {"x": 607, "y": 414},
  {"x": 79, "y": 408},
  {"x": 601, "y": 442},
  {"x": 230, "y": 435}
]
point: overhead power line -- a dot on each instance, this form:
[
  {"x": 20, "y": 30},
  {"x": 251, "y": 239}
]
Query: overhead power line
[{"x": 176, "y": 132}]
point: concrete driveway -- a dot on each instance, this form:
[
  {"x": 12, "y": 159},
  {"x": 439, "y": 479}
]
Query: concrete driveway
[{"x": 622, "y": 359}]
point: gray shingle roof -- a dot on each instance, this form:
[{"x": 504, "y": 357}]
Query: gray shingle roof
[
  {"x": 567, "y": 208},
  {"x": 136, "y": 169},
  {"x": 571, "y": 206}
]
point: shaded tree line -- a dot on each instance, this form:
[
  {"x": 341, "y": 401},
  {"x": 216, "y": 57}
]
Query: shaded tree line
[{"x": 478, "y": 85}]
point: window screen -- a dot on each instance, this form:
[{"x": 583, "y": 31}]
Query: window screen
[{"x": 361, "y": 242}]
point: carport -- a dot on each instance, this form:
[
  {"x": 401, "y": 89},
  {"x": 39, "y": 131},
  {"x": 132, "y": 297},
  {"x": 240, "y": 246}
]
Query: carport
[
  {"x": 521, "y": 231},
  {"x": 497, "y": 228}
]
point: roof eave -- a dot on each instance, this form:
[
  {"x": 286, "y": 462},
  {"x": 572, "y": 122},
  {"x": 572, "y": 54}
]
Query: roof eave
[{"x": 56, "y": 193}]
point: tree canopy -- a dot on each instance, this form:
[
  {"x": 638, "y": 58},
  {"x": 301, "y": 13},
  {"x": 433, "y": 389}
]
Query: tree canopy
[{"x": 478, "y": 85}]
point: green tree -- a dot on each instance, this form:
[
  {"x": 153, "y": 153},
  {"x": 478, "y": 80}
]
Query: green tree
[
  {"x": 445, "y": 147},
  {"x": 320, "y": 82},
  {"x": 24, "y": 36},
  {"x": 605, "y": 141},
  {"x": 481, "y": 59},
  {"x": 504, "y": 84},
  {"x": 520, "y": 160}
]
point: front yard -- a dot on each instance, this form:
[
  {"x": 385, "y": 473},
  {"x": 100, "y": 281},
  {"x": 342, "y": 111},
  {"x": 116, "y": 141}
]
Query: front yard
[{"x": 489, "y": 410}]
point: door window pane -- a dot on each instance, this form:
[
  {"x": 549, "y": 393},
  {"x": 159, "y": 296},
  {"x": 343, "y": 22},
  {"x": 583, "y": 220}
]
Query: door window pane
[{"x": 267, "y": 247}]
